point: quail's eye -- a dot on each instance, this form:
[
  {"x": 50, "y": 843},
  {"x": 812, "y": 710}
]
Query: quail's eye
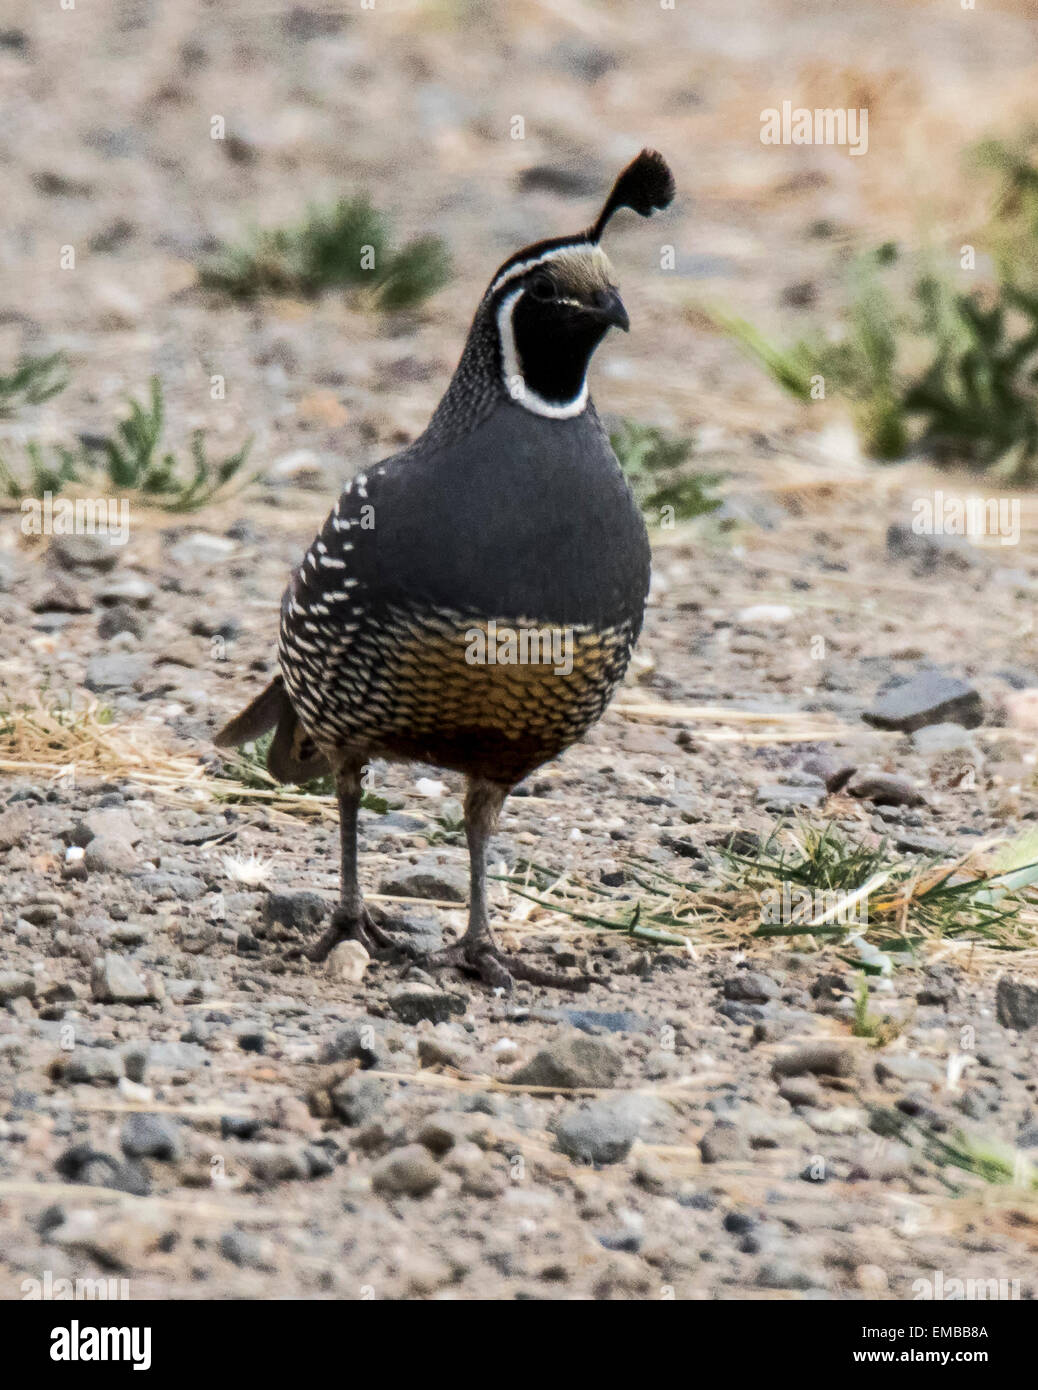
[{"x": 542, "y": 287}]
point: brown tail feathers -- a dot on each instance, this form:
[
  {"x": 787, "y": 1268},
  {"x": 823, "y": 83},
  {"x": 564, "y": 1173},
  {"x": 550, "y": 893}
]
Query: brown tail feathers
[{"x": 292, "y": 756}]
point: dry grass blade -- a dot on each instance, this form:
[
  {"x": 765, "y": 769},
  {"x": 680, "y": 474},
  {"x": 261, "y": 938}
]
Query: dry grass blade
[
  {"x": 867, "y": 893},
  {"x": 743, "y": 725},
  {"x": 665, "y": 912},
  {"x": 845, "y": 901},
  {"x": 275, "y": 798},
  {"x": 60, "y": 741},
  {"x": 186, "y": 1206},
  {"x": 923, "y": 903}
]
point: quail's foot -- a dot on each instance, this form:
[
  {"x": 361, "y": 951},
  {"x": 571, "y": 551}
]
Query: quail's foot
[
  {"x": 355, "y": 924},
  {"x": 481, "y": 957}
]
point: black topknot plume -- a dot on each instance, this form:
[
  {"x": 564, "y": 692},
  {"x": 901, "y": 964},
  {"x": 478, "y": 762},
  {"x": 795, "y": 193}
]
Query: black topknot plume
[{"x": 645, "y": 186}]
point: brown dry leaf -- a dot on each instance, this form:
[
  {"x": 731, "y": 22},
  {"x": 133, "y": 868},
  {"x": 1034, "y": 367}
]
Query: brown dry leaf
[{"x": 323, "y": 408}]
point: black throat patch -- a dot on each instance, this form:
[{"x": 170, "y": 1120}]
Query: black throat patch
[{"x": 554, "y": 348}]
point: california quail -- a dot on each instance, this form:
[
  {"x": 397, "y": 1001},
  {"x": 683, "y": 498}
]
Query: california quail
[{"x": 473, "y": 601}]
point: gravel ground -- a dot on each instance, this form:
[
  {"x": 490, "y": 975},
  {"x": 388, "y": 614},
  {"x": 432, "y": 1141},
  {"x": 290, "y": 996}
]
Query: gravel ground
[
  {"x": 265, "y": 1126},
  {"x": 186, "y": 1104}
]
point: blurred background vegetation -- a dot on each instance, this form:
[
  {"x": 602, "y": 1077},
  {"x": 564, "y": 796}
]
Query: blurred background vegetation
[{"x": 244, "y": 244}]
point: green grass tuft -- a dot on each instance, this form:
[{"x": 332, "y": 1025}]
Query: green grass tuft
[
  {"x": 989, "y": 1160},
  {"x": 130, "y": 460},
  {"x": 978, "y": 398},
  {"x": 34, "y": 380},
  {"x": 345, "y": 246},
  {"x": 924, "y": 365},
  {"x": 133, "y": 462},
  {"x": 248, "y": 767},
  {"x": 415, "y": 273},
  {"x": 861, "y": 365},
  {"x": 880, "y": 1029},
  {"x": 42, "y": 470},
  {"x": 655, "y": 466},
  {"x": 911, "y": 902}
]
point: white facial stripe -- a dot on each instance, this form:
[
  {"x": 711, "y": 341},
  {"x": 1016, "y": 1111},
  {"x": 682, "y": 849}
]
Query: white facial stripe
[
  {"x": 513, "y": 372},
  {"x": 521, "y": 267}
]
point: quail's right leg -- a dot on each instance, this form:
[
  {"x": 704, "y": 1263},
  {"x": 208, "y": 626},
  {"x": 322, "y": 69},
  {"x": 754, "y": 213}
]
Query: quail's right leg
[
  {"x": 477, "y": 952},
  {"x": 351, "y": 920}
]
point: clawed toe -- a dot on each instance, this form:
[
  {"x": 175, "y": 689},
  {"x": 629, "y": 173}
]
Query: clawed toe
[
  {"x": 350, "y": 925},
  {"x": 480, "y": 958},
  {"x": 500, "y": 971},
  {"x": 387, "y": 940},
  {"x": 342, "y": 927}
]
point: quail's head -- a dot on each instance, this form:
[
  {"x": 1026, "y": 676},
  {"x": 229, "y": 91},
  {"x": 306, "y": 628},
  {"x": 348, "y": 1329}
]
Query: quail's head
[{"x": 553, "y": 302}]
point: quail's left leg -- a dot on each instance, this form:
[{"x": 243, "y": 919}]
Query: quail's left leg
[
  {"x": 477, "y": 950},
  {"x": 351, "y": 920}
]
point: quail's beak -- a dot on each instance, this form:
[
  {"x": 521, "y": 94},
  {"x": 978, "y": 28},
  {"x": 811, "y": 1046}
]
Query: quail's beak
[{"x": 608, "y": 307}]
